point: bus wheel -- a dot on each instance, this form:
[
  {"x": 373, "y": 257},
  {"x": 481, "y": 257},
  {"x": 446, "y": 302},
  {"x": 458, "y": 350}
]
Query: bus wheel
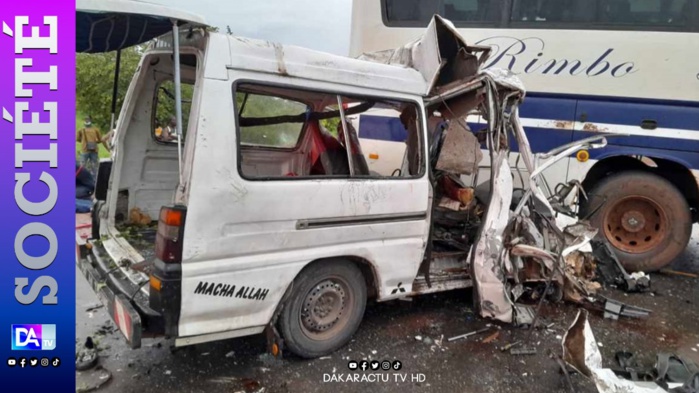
[
  {"x": 324, "y": 309},
  {"x": 643, "y": 216}
]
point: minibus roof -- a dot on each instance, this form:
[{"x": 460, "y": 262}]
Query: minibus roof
[{"x": 109, "y": 25}]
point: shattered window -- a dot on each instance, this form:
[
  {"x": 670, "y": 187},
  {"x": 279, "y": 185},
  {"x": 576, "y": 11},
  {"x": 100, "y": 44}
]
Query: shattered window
[
  {"x": 617, "y": 13},
  {"x": 282, "y": 134},
  {"x": 290, "y": 133}
]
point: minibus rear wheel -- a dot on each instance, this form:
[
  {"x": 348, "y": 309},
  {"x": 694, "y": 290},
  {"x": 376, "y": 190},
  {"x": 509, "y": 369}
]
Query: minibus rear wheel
[
  {"x": 644, "y": 217},
  {"x": 324, "y": 309}
]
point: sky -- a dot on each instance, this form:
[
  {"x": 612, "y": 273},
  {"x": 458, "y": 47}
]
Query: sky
[{"x": 318, "y": 24}]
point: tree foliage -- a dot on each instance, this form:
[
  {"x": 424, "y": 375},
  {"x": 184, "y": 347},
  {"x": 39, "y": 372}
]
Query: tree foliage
[{"x": 95, "y": 80}]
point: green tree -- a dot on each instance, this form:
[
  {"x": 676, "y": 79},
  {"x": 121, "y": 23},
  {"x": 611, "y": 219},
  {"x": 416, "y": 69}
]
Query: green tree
[{"x": 95, "y": 79}]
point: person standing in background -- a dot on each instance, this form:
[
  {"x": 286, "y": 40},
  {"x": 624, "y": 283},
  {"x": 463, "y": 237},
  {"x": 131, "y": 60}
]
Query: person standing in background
[
  {"x": 169, "y": 133},
  {"x": 90, "y": 138}
]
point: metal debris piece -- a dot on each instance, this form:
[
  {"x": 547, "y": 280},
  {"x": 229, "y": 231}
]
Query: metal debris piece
[
  {"x": 524, "y": 315},
  {"x": 469, "y": 334},
  {"x": 580, "y": 351},
  {"x": 523, "y": 351},
  {"x": 613, "y": 309},
  {"x": 511, "y": 345}
]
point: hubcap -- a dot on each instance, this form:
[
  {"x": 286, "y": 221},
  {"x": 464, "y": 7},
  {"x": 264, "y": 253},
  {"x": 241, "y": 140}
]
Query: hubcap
[
  {"x": 635, "y": 224},
  {"x": 633, "y": 221},
  {"x": 326, "y": 308}
]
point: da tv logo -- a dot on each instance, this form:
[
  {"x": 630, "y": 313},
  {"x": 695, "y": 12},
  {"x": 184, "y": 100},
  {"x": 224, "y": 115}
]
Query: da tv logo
[{"x": 34, "y": 337}]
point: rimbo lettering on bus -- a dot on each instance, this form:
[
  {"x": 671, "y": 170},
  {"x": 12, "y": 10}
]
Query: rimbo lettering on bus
[
  {"x": 24, "y": 75},
  {"x": 528, "y": 56}
]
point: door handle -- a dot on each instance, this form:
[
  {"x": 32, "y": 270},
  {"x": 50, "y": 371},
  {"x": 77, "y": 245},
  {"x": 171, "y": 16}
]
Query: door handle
[
  {"x": 649, "y": 124},
  {"x": 583, "y": 117}
]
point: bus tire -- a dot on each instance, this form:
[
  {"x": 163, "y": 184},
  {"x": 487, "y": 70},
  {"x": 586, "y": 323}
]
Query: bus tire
[
  {"x": 644, "y": 217},
  {"x": 324, "y": 309}
]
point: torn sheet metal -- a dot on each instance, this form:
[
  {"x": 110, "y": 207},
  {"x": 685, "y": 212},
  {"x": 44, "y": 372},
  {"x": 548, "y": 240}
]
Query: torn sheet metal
[
  {"x": 580, "y": 351},
  {"x": 489, "y": 278},
  {"x": 441, "y": 55}
]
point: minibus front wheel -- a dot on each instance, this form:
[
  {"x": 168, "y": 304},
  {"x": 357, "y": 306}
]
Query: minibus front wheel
[{"x": 324, "y": 309}]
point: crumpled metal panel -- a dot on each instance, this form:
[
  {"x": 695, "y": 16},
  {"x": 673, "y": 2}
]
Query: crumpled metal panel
[
  {"x": 489, "y": 278},
  {"x": 506, "y": 78},
  {"x": 424, "y": 55}
]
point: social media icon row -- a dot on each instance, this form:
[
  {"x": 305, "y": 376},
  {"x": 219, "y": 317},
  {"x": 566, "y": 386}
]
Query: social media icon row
[
  {"x": 33, "y": 362},
  {"x": 375, "y": 365}
]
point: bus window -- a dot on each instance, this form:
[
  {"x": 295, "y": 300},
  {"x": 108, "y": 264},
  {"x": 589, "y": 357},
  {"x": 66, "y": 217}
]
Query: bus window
[
  {"x": 616, "y": 14},
  {"x": 398, "y": 12}
]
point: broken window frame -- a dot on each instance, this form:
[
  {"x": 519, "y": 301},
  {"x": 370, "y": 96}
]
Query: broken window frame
[
  {"x": 155, "y": 114},
  {"x": 364, "y": 98}
]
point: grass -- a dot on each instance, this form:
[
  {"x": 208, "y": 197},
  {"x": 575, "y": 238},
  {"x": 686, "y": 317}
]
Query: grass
[{"x": 103, "y": 153}]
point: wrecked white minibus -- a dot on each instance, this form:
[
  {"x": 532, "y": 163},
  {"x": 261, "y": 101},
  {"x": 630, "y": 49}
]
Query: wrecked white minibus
[{"x": 259, "y": 214}]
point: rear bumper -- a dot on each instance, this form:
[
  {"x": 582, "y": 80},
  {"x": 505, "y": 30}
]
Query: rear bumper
[{"x": 126, "y": 304}]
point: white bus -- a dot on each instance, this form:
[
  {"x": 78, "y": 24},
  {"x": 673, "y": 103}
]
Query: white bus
[{"x": 614, "y": 66}]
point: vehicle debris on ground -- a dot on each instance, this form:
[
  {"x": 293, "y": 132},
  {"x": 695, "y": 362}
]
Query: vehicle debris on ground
[{"x": 670, "y": 374}]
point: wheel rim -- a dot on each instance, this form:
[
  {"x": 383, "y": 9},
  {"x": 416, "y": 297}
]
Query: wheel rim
[
  {"x": 326, "y": 308},
  {"x": 635, "y": 224}
]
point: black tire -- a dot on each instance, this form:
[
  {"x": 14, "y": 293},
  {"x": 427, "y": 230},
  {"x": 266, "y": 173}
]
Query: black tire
[
  {"x": 340, "y": 288},
  {"x": 645, "y": 218}
]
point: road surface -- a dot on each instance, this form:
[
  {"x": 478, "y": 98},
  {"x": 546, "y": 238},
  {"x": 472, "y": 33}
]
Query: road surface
[{"x": 389, "y": 332}]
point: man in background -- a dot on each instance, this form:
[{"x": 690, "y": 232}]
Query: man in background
[
  {"x": 170, "y": 132},
  {"x": 90, "y": 138}
]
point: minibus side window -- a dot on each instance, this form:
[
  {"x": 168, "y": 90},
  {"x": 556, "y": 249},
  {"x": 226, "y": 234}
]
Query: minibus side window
[{"x": 290, "y": 133}]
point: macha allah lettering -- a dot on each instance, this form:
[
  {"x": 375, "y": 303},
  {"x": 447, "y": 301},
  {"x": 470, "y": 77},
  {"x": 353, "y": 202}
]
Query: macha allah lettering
[{"x": 228, "y": 290}]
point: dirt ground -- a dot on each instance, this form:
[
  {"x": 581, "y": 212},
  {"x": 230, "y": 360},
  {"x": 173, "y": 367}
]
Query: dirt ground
[{"x": 389, "y": 332}]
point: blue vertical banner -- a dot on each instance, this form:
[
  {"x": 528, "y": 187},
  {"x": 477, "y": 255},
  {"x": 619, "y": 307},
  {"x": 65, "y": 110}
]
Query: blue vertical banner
[{"x": 37, "y": 192}]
